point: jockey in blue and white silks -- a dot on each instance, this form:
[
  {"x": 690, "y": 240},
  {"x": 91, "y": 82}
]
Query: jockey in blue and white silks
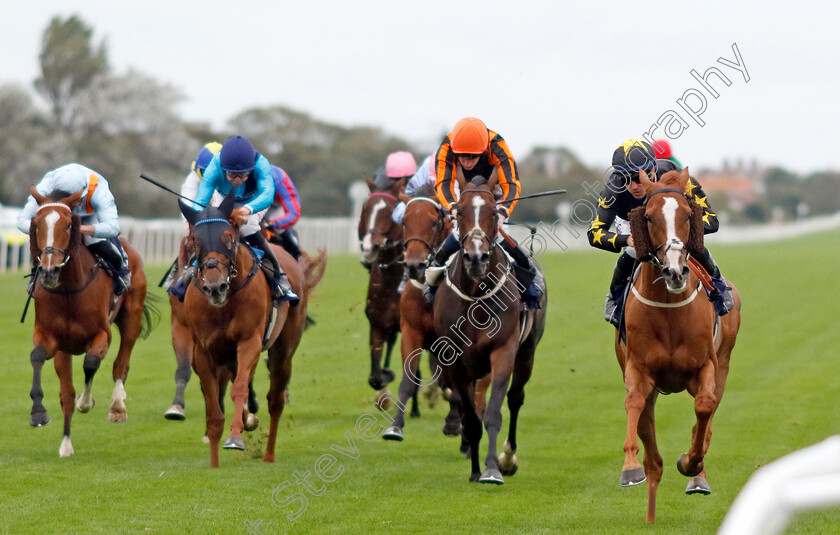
[{"x": 99, "y": 218}]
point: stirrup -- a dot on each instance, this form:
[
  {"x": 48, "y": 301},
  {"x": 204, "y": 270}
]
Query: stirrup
[{"x": 434, "y": 275}]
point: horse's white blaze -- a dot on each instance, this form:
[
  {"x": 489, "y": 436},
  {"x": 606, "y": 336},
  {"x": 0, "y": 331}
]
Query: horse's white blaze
[
  {"x": 675, "y": 245},
  {"x": 118, "y": 398},
  {"x": 51, "y": 219},
  {"x": 66, "y": 449},
  {"x": 367, "y": 241}
]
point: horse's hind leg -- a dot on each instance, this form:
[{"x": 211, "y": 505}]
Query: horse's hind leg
[
  {"x": 38, "y": 417},
  {"x": 472, "y": 427},
  {"x": 280, "y": 371},
  {"x": 129, "y": 321},
  {"x": 64, "y": 368},
  {"x": 410, "y": 347},
  {"x": 93, "y": 359},
  {"x": 247, "y": 356},
  {"x": 182, "y": 344},
  {"x": 508, "y": 464}
]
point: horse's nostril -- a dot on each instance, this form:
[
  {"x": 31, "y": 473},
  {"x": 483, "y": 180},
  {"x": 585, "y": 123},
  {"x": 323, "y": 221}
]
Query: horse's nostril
[
  {"x": 485, "y": 257},
  {"x": 685, "y": 271},
  {"x": 223, "y": 288}
]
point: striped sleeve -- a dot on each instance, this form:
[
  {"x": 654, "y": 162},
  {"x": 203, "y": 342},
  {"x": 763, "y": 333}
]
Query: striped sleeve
[
  {"x": 501, "y": 157},
  {"x": 286, "y": 195}
]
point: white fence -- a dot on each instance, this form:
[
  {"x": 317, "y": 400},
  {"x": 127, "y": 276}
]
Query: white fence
[{"x": 158, "y": 239}]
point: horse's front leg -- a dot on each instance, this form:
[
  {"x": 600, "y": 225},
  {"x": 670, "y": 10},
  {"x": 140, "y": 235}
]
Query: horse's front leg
[
  {"x": 377, "y": 341},
  {"x": 38, "y": 416},
  {"x": 691, "y": 464},
  {"x": 206, "y": 372},
  {"x": 64, "y": 368},
  {"x": 502, "y": 365},
  {"x": 93, "y": 358},
  {"x": 247, "y": 355},
  {"x": 182, "y": 344},
  {"x": 639, "y": 387}
]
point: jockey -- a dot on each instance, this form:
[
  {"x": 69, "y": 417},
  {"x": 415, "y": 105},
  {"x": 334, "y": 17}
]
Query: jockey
[
  {"x": 425, "y": 175},
  {"x": 279, "y": 220},
  {"x": 662, "y": 149},
  {"x": 100, "y": 226},
  {"x": 624, "y": 192},
  {"x": 477, "y": 151},
  {"x": 240, "y": 167},
  {"x": 189, "y": 189}
]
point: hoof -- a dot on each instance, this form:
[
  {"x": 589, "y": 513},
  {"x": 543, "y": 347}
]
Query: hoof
[
  {"x": 84, "y": 407},
  {"x": 387, "y": 375},
  {"x": 631, "y": 477},
  {"x": 117, "y": 415},
  {"x": 253, "y": 405},
  {"x": 39, "y": 419},
  {"x": 252, "y": 422},
  {"x": 415, "y": 413},
  {"x": 375, "y": 382},
  {"x": 508, "y": 464},
  {"x": 474, "y": 477},
  {"x": 234, "y": 443},
  {"x": 698, "y": 485},
  {"x": 686, "y": 473},
  {"x": 452, "y": 428},
  {"x": 205, "y": 439},
  {"x": 175, "y": 412},
  {"x": 393, "y": 433},
  {"x": 492, "y": 475},
  {"x": 383, "y": 401}
]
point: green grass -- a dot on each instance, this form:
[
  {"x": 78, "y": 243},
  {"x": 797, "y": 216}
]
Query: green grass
[{"x": 149, "y": 475}]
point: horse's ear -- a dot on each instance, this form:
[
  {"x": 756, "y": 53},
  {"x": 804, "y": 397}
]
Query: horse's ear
[
  {"x": 189, "y": 213},
  {"x": 643, "y": 178},
  {"x": 639, "y": 231},
  {"x": 229, "y": 239},
  {"x": 695, "y": 243},
  {"x": 227, "y": 205},
  {"x": 40, "y": 199},
  {"x": 494, "y": 179},
  {"x": 460, "y": 178},
  {"x": 684, "y": 179},
  {"x": 73, "y": 200},
  {"x": 371, "y": 186},
  {"x": 403, "y": 197}
]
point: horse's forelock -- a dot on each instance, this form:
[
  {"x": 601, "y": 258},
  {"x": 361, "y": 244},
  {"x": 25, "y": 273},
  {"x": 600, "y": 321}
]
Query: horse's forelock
[{"x": 58, "y": 195}]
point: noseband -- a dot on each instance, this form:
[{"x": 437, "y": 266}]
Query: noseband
[{"x": 210, "y": 242}]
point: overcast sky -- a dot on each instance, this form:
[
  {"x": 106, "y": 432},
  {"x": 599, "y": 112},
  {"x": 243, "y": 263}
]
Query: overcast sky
[{"x": 586, "y": 75}]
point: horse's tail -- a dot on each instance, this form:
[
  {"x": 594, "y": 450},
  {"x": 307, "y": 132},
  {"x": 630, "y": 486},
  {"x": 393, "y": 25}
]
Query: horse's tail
[
  {"x": 313, "y": 268},
  {"x": 151, "y": 315}
]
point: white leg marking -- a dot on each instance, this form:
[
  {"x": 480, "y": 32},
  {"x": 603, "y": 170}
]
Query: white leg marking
[
  {"x": 84, "y": 403},
  {"x": 118, "y": 399},
  {"x": 66, "y": 449}
]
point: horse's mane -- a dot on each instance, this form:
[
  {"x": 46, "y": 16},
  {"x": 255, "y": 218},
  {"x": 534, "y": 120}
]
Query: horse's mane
[{"x": 427, "y": 191}]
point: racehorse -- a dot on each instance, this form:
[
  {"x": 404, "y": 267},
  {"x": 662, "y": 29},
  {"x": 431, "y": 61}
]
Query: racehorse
[
  {"x": 229, "y": 313},
  {"x": 74, "y": 307},
  {"x": 477, "y": 311},
  {"x": 382, "y": 242},
  {"x": 183, "y": 345},
  {"x": 424, "y": 229},
  {"x": 672, "y": 344}
]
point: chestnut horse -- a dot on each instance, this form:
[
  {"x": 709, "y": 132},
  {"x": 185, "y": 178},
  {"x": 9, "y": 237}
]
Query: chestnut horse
[
  {"x": 424, "y": 229},
  {"x": 229, "y": 313},
  {"x": 74, "y": 306},
  {"x": 672, "y": 344},
  {"x": 183, "y": 345},
  {"x": 381, "y": 241},
  {"x": 477, "y": 313}
]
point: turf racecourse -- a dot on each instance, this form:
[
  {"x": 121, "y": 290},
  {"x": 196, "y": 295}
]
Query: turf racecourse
[{"x": 149, "y": 475}]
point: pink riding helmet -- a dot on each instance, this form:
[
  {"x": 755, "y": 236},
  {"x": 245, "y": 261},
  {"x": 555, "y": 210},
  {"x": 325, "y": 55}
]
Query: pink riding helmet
[{"x": 400, "y": 164}]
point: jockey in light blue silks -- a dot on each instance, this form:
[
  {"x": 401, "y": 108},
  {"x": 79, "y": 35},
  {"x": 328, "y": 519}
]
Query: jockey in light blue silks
[
  {"x": 100, "y": 226},
  {"x": 240, "y": 167}
]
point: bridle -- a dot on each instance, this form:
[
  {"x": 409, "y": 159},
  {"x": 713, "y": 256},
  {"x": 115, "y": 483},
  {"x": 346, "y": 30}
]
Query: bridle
[
  {"x": 211, "y": 242},
  {"x": 476, "y": 232},
  {"x": 50, "y": 249},
  {"x": 674, "y": 243},
  {"x": 439, "y": 221},
  {"x": 390, "y": 245}
]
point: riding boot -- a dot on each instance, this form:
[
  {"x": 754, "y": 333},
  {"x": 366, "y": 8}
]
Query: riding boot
[
  {"x": 403, "y": 281},
  {"x": 33, "y": 278},
  {"x": 525, "y": 273},
  {"x": 281, "y": 289},
  {"x": 720, "y": 295},
  {"x": 618, "y": 287},
  {"x": 115, "y": 263},
  {"x": 179, "y": 287},
  {"x": 288, "y": 242},
  {"x": 435, "y": 272}
]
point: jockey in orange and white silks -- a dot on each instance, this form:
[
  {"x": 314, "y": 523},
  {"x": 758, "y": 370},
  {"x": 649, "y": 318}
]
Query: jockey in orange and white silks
[{"x": 100, "y": 226}]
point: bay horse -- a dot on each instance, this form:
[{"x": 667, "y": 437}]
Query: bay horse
[
  {"x": 74, "y": 308},
  {"x": 477, "y": 313},
  {"x": 424, "y": 230},
  {"x": 182, "y": 344},
  {"x": 381, "y": 241},
  {"x": 229, "y": 313},
  {"x": 671, "y": 340}
]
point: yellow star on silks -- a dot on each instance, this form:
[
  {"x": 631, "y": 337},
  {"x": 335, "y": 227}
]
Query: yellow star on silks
[
  {"x": 597, "y": 223},
  {"x": 597, "y": 235},
  {"x": 690, "y": 187},
  {"x": 706, "y": 216},
  {"x": 603, "y": 203},
  {"x": 612, "y": 240},
  {"x": 629, "y": 144},
  {"x": 701, "y": 201}
]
